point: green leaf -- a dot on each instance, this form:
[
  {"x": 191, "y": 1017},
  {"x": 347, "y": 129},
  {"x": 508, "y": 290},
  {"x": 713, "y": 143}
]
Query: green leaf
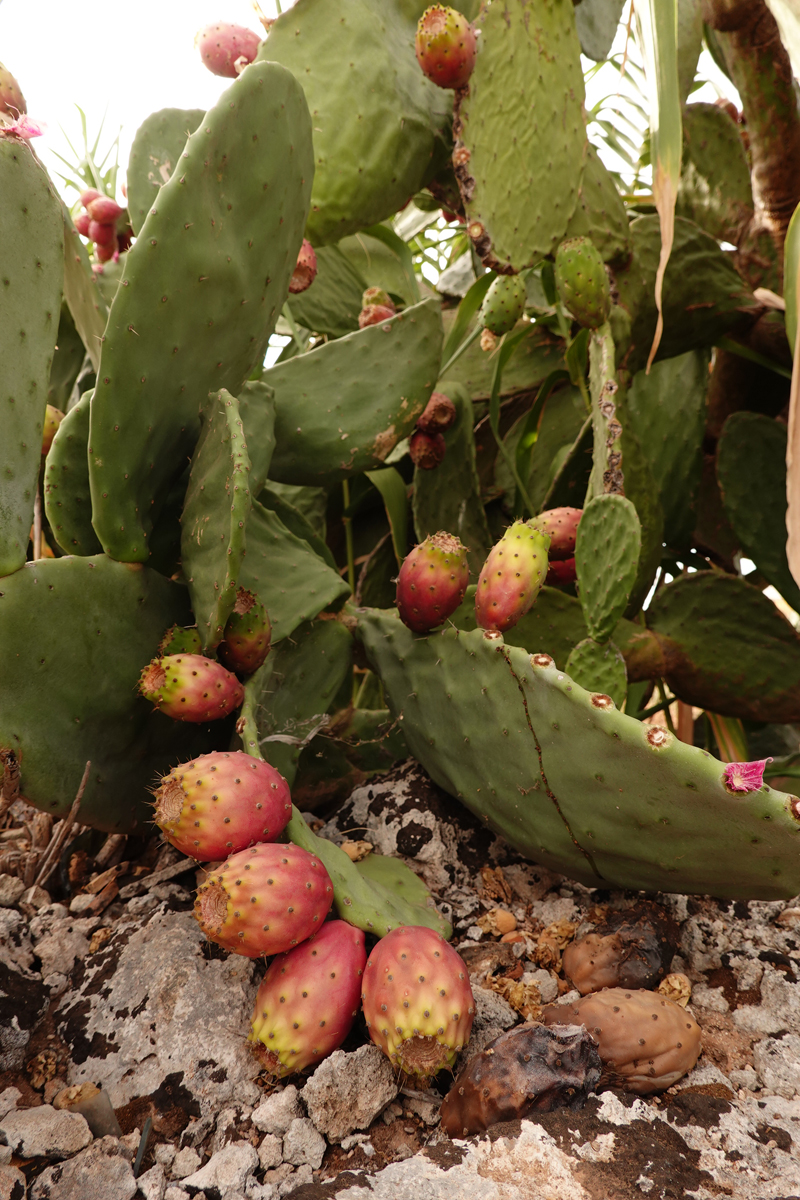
[{"x": 392, "y": 488}]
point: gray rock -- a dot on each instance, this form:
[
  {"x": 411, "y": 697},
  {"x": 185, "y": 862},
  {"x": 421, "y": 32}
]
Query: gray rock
[
  {"x": 11, "y": 888},
  {"x": 545, "y": 982},
  {"x": 153, "y": 1183},
  {"x": 302, "y": 1144},
  {"x": 227, "y": 1170},
  {"x": 99, "y": 1173},
  {"x": 302, "y": 1176},
  {"x": 22, "y": 1000},
  {"x": 348, "y": 1091},
  {"x": 65, "y": 941},
  {"x": 777, "y": 1061},
  {"x": 176, "y": 1193},
  {"x": 165, "y": 1154},
  {"x": 491, "y": 1009},
  {"x": 12, "y": 1183},
  {"x": 9, "y": 1098},
  {"x": 45, "y": 1132},
  {"x": 184, "y": 1163},
  {"x": 276, "y": 1113},
  {"x": 269, "y": 1152},
  {"x": 16, "y": 948}
]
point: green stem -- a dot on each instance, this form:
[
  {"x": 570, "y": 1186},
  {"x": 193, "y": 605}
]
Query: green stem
[{"x": 465, "y": 345}]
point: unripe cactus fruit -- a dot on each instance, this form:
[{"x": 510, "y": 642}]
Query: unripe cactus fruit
[
  {"x": 105, "y": 210},
  {"x": 646, "y": 1042},
  {"x": 432, "y": 582},
  {"x": 52, "y": 419},
  {"x": 180, "y": 639},
  {"x": 12, "y": 101},
  {"x": 373, "y": 314},
  {"x": 426, "y": 450},
  {"x": 503, "y": 305},
  {"x": 246, "y": 638},
  {"x": 561, "y": 526},
  {"x": 438, "y": 415},
  {"x": 309, "y": 999},
  {"x": 582, "y": 282},
  {"x": 189, "y": 687},
  {"x": 417, "y": 1001},
  {"x": 511, "y": 577},
  {"x": 264, "y": 900},
  {"x": 445, "y": 45},
  {"x": 221, "y": 803},
  {"x": 376, "y": 295},
  {"x": 226, "y": 49},
  {"x": 305, "y": 271}
]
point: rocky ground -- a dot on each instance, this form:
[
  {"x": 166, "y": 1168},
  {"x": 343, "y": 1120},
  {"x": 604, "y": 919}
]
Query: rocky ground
[{"x": 106, "y": 979}]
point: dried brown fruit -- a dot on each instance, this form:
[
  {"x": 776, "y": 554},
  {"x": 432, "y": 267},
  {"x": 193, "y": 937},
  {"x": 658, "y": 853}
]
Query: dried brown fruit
[{"x": 631, "y": 948}]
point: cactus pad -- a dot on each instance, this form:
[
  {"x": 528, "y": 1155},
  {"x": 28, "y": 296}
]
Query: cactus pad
[
  {"x": 599, "y": 669},
  {"x": 67, "y": 500},
  {"x": 607, "y": 556},
  {"x": 155, "y": 151},
  {"x": 714, "y": 189}
]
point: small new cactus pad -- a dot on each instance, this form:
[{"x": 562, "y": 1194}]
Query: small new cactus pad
[
  {"x": 503, "y": 304},
  {"x": 246, "y": 638},
  {"x": 377, "y": 295},
  {"x": 227, "y": 49},
  {"x": 221, "y": 803},
  {"x": 599, "y": 667},
  {"x": 155, "y": 151},
  {"x": 532, "y": 1068},
  {"x": 582, "y": 282},
  {"x": 417, "y": 1001},
  {"x": 607, "y": 558},
  {"x": 445, "y": 45},
  {"x": 426, "y": 450},
  {"x": 561, "y": 526},
  {"x": 511, "y": 577},
  {"x": 264, "y": 900},
  {"x": 12, "y": 101},
  {"x": 189, "y": 687},
  {"x": 305, "y": 271},
  {"x": 645, "y": 1041},
  {"x": 432, "y": 582},
  {"x": 309, "y": 999}
]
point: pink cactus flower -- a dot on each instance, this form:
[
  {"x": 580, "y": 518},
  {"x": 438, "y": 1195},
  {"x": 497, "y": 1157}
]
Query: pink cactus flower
[
  {"x": 745, "y": 777},
  {"x": 23, "y": 127}
]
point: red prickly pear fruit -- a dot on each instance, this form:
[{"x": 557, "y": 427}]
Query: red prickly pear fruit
[
  {"x": 432, "y": 582},
  {"x": 102, "y": 234},
  {"x": 189, "y": 687},
  {"x": 417, "y": 1001},
  {"x": 426, "y": 450},
  {"x": 445, "y": 46},
  {"x": 305, "y": 271},
  {"x": 376, "y": 295},
  {"x": 52, "y": 419},
  {"x": 246, "y": 638},
  {"x": 224, "y": 47},
  {"x": 180, "y": 639},
  {"x": 89, "y": 195},
  {"x": 221, "y": 803},
  {"x": 438, "y": 415},
  {"x": 373, "y": 314},
  {"x": 82, "y": 222},
  {"x": 107, "y": 253},
  {"x": 104, "y": 210},
  {"x": 561, "y": 526},
  {"x": 561, "y": 572},
  {"x": 264, "y": 900},
  {"x": 309, "y": 999},
  {"x": 12, "y": 101},
  {"x": 511, "y": 577}
]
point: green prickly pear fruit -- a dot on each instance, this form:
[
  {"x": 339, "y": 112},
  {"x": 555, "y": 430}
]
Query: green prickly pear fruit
[
  {"x": 503, "y": 304},
  {"x": 417, "y": 1001},
  {"x": 426, "y": 450},
  {"x": 227, "y": 49},
  {"x": 561, "y": 526},
  {"x": 246, "y": 638},
  {"x": 376, "y": 295},
  {"x": 432, "y": 582},
  {"x": 189, "y": 687},
  {"x": 511, "y": 577},
  {"x": 12, "y": 101},
  {"x": 180, "y": 640},
  {"x": 582, "y": 282},
  {"x": 52, "y": 419},
  {"x": 305, "y": 271},
  {"x": 438, "y": 415},
  {"x": 445, "y": 46}
]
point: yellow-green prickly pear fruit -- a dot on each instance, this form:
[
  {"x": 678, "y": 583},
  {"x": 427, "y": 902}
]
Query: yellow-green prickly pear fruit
[
  {"x": 504, "y": 304},
  {"x": 582, "y": 282}
]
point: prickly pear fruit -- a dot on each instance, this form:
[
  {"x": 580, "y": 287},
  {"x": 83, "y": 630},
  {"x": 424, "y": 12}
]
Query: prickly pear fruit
[
  {"x": 246, "y": 637},
  {"x": 376, "y": 295},
  {"x": 88, "y": 196},
  {"x": 309, "y": 999},
  {"x": 104, "y": 210},
  {"x": 226, "y": 49},
  {"x": 445, "y": 46},
  {"x": 631, "y": 948},
  {"x": 503, "y": 305},
  {"x": 426, "y": 450},
  {"x": 646, "y": 1042},
  {"x": 561, "y": 526},
  {"x": 532, "y": 1068},
  {"x": 582, "y": 282},
  {"x": 180, "y": 639},
  {"x": 432, "y": 582},
  {"x": 511, "y": 577},
  {"x": 102, "y": 234},
  {"x": 82, "y": 223},
  {"x": 107, "y": 253},
  {"x": 221, "y": 803},
  {"x": 305, "y": 271},
  {"x": 438, "y": 415},
  {"x": 561, "y": 572},
  {"x": 373, "y": 314},
  {"x": 189, "y": 687},
  {"x": 52, "y": 419},
  {"x": 264, "y": 900},
  {"x": 417, "y": 1001},
  {"x": 12, "y": 101}
]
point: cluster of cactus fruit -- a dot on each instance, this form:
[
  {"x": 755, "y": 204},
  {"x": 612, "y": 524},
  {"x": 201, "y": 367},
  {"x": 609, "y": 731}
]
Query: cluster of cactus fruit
[{"x": 572, "y": 531}]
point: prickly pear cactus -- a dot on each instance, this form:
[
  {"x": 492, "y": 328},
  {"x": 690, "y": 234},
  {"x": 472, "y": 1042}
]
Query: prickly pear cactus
[
  {"x": 607, "y": 557},
  {"x": 155, "y": 152},
  {"x": 67, "y": 499}
]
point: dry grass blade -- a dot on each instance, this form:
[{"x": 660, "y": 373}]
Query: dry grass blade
[{"x": 57, "y": 842}]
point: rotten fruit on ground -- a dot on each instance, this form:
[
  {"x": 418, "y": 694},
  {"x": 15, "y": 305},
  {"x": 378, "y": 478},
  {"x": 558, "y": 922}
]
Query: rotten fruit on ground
[
  {"x": 631, "y": 948},
  {"x": 190, "y": 687},
  {"x": 432, "y": 582}
]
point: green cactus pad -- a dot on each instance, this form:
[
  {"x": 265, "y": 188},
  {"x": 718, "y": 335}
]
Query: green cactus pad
[
  {"x": 89, "y": 309},
  {"x": 634, "y": 808},
  {"x": 332, "y": 304},
  {"x": 292, "y": 582},
  {"x": 568, "y": 486},
  {"x": 156, "y": 148},
  {"x": 727, "y": 648},
  {"x": 204, "y": 283},
  {"x": 67, "y": 500},
  {"x": 342, "y": 408},
  {"x": 751, "y": 470},
  {"x": 67, "y": 360},
  {"x": 606, "y": 557},
  {"x": 582, "y": 282},
  {"x": 642, "y": 491},
  {"x": 215, "y": 513},
  {"x": 32, "y": 236},
  {"x": 376, "y": 117},
  {"x": 714, "y": 189},
  {"x": 523, "y": 109},
  {"x": 503, "y": 304},
  {"x": 562, "y": 420},
  {"x": 257, "y": 410},
  {"x": 600, "y": 213},
  {"x": 596, "y": 22},
  {"x": 450, "y": 497},
  {"x": 70, "y": 693},
  {"x": 296, "y": 522},
  {"x": 537, "y": 354},
  {"x": 599, "y": 669}
]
